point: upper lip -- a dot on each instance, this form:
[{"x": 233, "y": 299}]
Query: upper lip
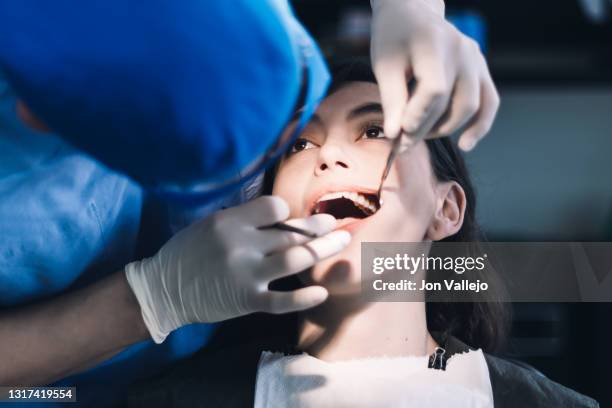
[{"x": 316, "y": 194}]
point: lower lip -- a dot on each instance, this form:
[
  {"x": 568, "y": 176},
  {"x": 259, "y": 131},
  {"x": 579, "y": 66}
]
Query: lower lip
[{"x": 350, "y": 224}]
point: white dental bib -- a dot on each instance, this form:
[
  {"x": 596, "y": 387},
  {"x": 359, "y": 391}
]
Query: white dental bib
[{"x": 304, "y": 381}]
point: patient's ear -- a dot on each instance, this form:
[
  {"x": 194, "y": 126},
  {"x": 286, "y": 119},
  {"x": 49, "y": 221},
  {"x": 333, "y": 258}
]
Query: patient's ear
[
  {"x": 450, "y": 209},
  {"x": 27, "y": 117}
]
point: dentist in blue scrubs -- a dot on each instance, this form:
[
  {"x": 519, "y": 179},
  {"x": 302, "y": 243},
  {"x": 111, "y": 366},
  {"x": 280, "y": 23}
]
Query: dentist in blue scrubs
[{"x": 188, "y": 100}]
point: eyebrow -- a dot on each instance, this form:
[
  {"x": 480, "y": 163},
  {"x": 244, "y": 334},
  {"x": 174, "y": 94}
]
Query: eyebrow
[{"x": 371, "y": 107}]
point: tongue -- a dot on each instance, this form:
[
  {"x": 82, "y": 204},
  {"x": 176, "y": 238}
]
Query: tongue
[{"x": 340, "y": 208}]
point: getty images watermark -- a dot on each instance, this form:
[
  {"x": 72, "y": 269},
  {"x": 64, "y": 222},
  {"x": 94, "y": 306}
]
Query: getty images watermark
[
  {"x": 482, "y": 272},
  {"x": 412, "y": 264}
]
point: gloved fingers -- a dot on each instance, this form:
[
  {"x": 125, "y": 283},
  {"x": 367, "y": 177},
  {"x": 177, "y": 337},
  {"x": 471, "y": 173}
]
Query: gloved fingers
[
  {"x": 274, "y": 240},
  {"x": 391, "y": 74},
  {"x": 465, "y": 103},
  {"x": 296, "y": 300},
  {"x": 482, "y": 122},
  {"x": 265, "y": 210},
  {"x": 430, "y": 98},
  {"x": 300, "y": 258}
]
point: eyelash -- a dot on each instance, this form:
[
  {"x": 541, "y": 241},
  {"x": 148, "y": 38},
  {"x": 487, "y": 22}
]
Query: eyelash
[
  {"x": 371, "y": 125},
  {"x": 300, "y": 139}
]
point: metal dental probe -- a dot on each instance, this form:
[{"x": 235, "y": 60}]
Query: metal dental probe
[
  {"x": 395, "y": 150},
  {"x": 286, "y": 227},
  {"x": 395, "y": 147},
  {"x": 390, "y": 159}
]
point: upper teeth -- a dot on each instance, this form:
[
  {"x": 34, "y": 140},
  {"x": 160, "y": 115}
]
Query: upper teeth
[{"x": 359, "y": 199}]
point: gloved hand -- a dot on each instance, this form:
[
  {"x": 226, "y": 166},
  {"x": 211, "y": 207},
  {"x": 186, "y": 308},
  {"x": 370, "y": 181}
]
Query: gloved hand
[
  {"x": 220, "y": 267},
  {"x": 411, "y": 38}
]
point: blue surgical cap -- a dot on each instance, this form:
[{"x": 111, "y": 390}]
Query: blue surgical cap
[{"x": 175, "y": 94}]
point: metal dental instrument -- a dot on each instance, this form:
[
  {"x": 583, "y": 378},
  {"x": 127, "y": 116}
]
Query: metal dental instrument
[
  {"x": 286, "y": 227},
  {"x": 392, "y": 154},
  {"x": 395, "y": 148}
]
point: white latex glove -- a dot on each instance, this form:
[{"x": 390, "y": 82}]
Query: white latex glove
[
  {"x": 220, "y": 268},
  {"x": 454, "y": 89}
]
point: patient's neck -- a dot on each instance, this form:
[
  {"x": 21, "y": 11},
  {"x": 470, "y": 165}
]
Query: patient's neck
[{"x": 333, "y": 333}]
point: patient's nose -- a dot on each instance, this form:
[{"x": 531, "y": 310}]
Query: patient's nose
[{"x": 332, "y": 158}]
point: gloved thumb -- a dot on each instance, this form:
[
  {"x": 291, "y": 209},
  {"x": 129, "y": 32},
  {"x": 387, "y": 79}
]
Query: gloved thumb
[{"x": 391, "y": 74}]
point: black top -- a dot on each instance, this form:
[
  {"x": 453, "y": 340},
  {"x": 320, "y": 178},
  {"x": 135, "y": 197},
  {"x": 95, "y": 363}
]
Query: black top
[{"x": 225, "y": 377}]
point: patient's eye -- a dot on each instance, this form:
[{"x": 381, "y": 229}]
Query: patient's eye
[
  {"x": 373, "y": 132},
  {"x": 300, "y": 145}
]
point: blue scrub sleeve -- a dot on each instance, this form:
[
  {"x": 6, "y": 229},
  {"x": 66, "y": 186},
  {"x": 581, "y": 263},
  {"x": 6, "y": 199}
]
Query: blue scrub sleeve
[
  {"x": 172, "y": 93},
  {"x": 66, "y": 222}
]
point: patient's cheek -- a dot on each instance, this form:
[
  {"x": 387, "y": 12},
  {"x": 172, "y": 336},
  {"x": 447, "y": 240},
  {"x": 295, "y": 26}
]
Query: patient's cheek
[
  {"x": 414, "y": 184},
  {"x": 288, "y": 191},
  {"x": 405, "y": 227},
  {"x": 407, "y": 209}
]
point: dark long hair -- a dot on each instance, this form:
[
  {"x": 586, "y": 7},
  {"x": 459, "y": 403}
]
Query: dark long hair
[{"x": 481, "y": 324}]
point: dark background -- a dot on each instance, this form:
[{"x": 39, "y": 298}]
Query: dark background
[{"x": 543, "y": 173}]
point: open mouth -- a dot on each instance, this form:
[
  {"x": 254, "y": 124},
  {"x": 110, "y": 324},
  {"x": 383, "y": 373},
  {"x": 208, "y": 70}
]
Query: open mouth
[{"x": 347, "y": 204}]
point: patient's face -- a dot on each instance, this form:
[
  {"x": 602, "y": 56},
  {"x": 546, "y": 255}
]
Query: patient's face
[{"x": 336, "y": 166}]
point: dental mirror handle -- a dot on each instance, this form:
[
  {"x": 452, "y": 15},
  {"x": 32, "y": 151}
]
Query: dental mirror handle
[{"x": 286, "y": 227}]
